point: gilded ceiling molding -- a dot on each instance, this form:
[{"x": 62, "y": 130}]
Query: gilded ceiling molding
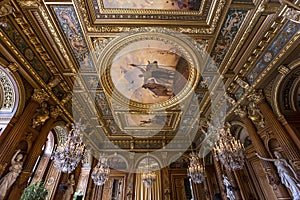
[
  {"x": 29, "y": 4},
  {"x": 32, "y": 72},
  {"x": 35, "y": 41},
  {"x": 81, "y": 8},
  {"x": 243, "y": 38},
  {"x": 55, "y": 36},
  {"x": 266, "y": 70}
]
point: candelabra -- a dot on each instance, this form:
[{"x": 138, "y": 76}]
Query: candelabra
[
  {"x": 148, "y": 178},
  {"x": 101, "y": 172},
  {"x": 68, "y": 154},
  {"x": 196, "y": 171},
  {"x": 229, "y": 150}
]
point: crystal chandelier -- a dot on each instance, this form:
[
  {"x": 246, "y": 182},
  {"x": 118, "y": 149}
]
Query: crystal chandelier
[
  {"x": 68, "y": 154},
  {"x": 196, "y": 171},
  {"x": 148, "y": 178},
  {"x": 229, "y": 150},
  {"x": 100, "y": 173}
]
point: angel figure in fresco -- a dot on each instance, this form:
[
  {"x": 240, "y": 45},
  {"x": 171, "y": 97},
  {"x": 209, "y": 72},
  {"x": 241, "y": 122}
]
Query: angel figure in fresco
[
  {"x": 157, "y": 79},
  {"x": 287, "y": 174},
  {"x": 14, "y": 170}
]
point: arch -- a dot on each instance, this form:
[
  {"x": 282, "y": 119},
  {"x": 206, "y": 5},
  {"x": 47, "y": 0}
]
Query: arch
[
  {"x": 117, "y": 161},
  {"x": 60, "y": 133},
  {"x": 43, "y": 160},
  {"x": 280, "y": 81},
  {"x": 9, "y": 97},
  {"x": 145, "y": 160},
  {"x": 181, "y": 162},
  {"x": 239, "y": 131}
]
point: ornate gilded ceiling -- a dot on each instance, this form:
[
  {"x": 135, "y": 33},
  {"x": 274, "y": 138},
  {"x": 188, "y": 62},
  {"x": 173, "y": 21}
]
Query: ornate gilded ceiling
[{"x": 103, "y": 51}]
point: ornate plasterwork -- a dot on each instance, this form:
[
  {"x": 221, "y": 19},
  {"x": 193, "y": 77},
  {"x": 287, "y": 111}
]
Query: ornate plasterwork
[
  {"x": 219, "y": 10},
  {"x": 61, "y": 133},
  {"x": 227, "y": 34},
  {"x": 8, "y": 91}
]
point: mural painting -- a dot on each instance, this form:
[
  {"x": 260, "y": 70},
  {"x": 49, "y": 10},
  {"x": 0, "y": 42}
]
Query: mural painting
[
  {"x": 145, "y": 120},
  {"x": 149, "y": 71},
  {"x": 154, "y": 4}
]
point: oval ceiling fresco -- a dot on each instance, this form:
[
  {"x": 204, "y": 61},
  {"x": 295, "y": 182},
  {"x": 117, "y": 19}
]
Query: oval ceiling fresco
[{"x": 148, "y": 70}]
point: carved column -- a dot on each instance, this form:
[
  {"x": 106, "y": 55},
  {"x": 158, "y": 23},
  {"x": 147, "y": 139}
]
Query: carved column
[
  {"x": 33, "y": 155},
  {"x": 236, "y": 190},
  {"x": 286, "y": 143},
  {"x": 269, "y": 168},
  {"x": 220, "y": 179},
  {"x": 17, "y": 132}
]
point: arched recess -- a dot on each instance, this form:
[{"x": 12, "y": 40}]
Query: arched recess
[
  {"x": 11, "y": 96},
  {"x": 286, "y": 98},
  {"x": 145, "y": 164},
  {"x": 117, "y": 161},
  {"x": 240, "y": 132},
  {"x": 42, "y": 162},
  {"x": 53, "y": 175}
]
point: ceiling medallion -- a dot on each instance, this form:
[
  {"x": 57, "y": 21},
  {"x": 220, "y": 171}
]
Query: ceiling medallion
[{"x": 150, "y": 69}]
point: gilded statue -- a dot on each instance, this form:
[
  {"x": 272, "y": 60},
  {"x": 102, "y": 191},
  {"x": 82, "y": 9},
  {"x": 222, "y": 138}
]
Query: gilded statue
[
  {"x": 42, "y": 116},
  {"x": 255, "y": 115}
]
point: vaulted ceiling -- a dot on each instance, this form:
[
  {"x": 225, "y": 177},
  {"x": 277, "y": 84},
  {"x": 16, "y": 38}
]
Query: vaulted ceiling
[{"x": 97, "y": 50}]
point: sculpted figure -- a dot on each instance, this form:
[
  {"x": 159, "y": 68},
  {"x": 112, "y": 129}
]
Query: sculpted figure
[
  {"x": 287, "y": 174},
  {"x": 14, "y": 171},
  {"x": 229, "y": 188}
]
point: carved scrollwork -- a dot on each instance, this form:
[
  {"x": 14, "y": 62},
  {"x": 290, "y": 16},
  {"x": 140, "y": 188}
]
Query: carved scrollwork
[
  {"x": 242, "y": 83},
  {"x": 230, "y": 99},
  {"x": 39, "y": 95},
  {"x": 5, "y": 9},
  {"x": 241, "y": 111},
  {"x": 55, "y": 111},
  {"x": 256, "y": 96}
]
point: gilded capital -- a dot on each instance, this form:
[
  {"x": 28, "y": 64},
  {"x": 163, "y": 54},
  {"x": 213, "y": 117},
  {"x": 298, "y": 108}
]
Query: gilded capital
[
  {"x": 256, "y": 96},
  {"x": 39, "y": 95},
  {"x": 241, "y": 111},
  {"x": 55, "y": 111}
]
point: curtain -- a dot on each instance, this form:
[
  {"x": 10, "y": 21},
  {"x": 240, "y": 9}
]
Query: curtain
[{"x": 143, "y": 193}]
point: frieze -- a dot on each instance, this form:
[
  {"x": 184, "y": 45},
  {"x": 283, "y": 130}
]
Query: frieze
[
  {"x": 227, "y": 34},
  {"x": 279, "y": 42}
]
